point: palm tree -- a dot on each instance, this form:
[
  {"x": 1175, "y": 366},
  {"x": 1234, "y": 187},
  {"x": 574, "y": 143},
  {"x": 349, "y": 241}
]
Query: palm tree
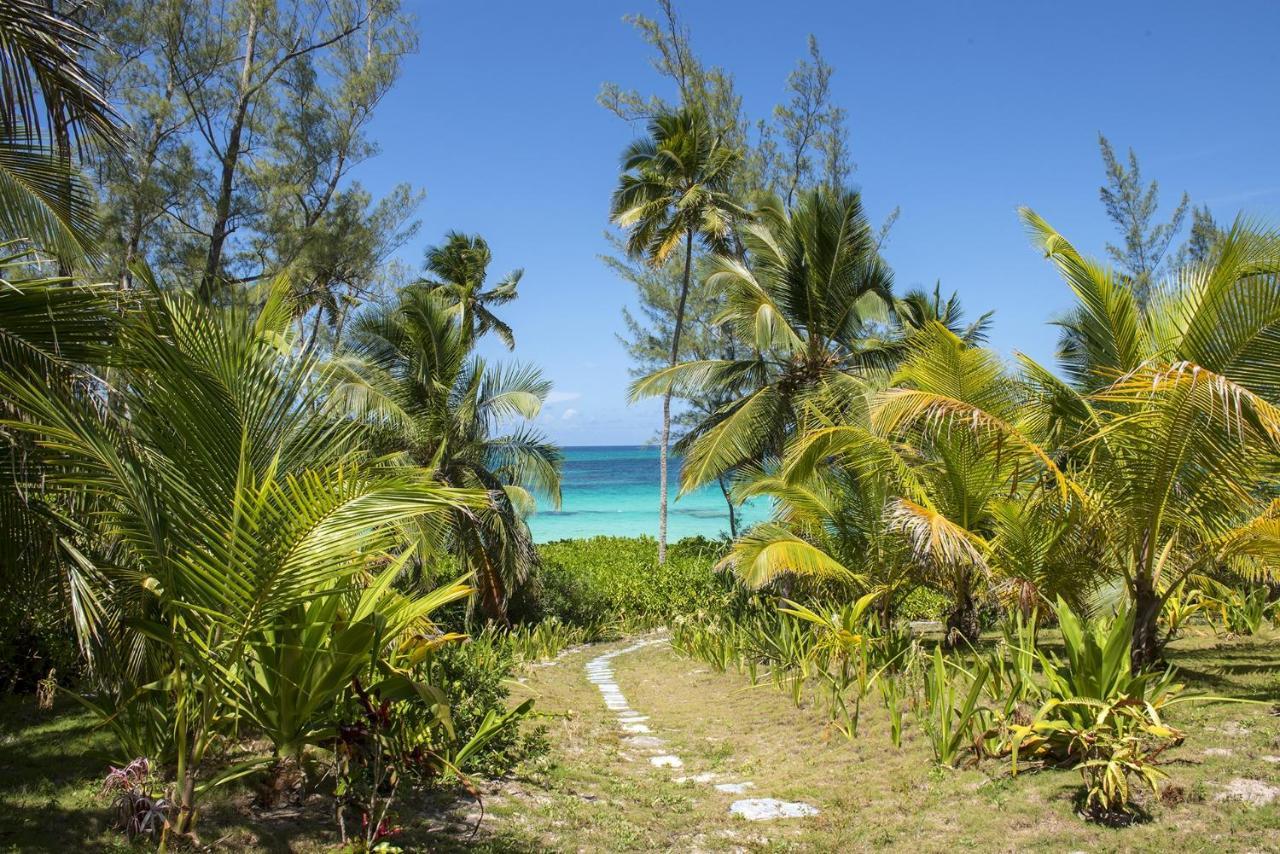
[
  {"x": 50, "y": 105},
  {"x": 225, "y": 501},
  {"x": 941, "y": 454},
  {"x": 917, "y": 308},
  {"x": 50, "y": 329},
  {"x": 1169, "y": 417},
  {"x": 804, "y": 307},
  {"x": 831, "y": 494},
  {"x": 412, "y": 371},
  {"x": 460, "y": 266},
  {"x": 675, "y": 187}
]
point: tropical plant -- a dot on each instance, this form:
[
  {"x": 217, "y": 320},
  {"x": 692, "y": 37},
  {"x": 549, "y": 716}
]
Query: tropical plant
[
  {"x": 460, "y": 266},
  {"x": 302, "y": 662},
  {"x": 50, "y": 105},
  {"x": 951, "y": 715},
  {"x": 967, "y": 446},
  {"x": 412, "y": 374},
  {"x": 225, "y": 440},
  {"x": 675, "y": 187},
  {"x": 917, "y": 309},
  {"x": 51, "y": 330},
  {"x": 1099, "y": 714},
  {"x": 395, "y": 732},
  {"x": 1240, "y": 612},
  {"x": 803, "y": 302},
  {"x": 828, "y": 516},
  {"x": 139, "y": 812},
  {"x": 1168, "y": 420}
]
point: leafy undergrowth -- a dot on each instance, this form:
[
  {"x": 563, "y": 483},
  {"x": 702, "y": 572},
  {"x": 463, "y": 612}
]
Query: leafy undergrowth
[{"x": 591, "y": 792}]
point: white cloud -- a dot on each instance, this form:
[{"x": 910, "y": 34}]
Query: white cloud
[
  {"x": 569, "y": 414},
  {"x": 563, "y": 396}
]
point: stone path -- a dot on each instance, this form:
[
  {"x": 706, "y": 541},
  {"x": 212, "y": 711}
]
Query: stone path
[{"x": 639, "y": 736}]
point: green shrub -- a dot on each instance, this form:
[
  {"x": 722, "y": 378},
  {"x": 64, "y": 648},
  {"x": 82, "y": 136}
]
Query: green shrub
[
  {"x": 474, "y": 676},
  {"x": 616, "y": 582},
  {"x": 923, "y": 604}
]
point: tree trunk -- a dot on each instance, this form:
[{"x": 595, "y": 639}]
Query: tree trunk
[
  {"x": 1146, "y": 616},
  {"x": 187, "y": 805},
  {"x": 885, "y": 608},
  {"x": 230, "y": 161},
  {"x": 962, "y": 623},
  {"x": 728, "y": 499},
  {"x": 315, "y": 331},
  {"x": 662, "y": 477},
  {"x": 666, "y": 400}
]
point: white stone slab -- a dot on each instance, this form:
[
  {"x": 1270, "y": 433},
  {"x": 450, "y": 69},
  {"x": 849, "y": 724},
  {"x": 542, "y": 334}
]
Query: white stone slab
[
  {"x": 667, "y": 761},
  {"x": 768, "y": 809},
  {"x": 735, "y": 788}
]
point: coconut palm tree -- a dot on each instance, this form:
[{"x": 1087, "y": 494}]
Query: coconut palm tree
[
  {"x": 50, "y": 329},
  {"x": 460, "y": 266},
  {"x": 675, "y": 187},
  {"x": 804, "y": 306},
  {"x": 831, "y": 494},
  {"x": 1169, "y": 415},
  {"x": 412, "y": 371},
  {"x": 225, "y": 502},
  {"x": 941, "y": 452}
]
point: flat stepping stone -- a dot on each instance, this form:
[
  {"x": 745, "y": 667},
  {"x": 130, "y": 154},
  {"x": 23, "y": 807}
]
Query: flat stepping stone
[
  {"x": 735, "y": 788},
  {"x": 645, "y": 742},
  {"x": 1272, "y": 759},
  {"x": 637, "y": 728},
  {"x": 1218, "y": 751},
  {"x": 704, "y": 777},
  {"x": 666, "y": 761},
  {"x": 768, "y": 809},
  {"x": 1252, "y": 792}
]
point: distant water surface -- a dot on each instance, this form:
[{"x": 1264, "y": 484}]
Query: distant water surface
[{"x": 614, "y": 490}]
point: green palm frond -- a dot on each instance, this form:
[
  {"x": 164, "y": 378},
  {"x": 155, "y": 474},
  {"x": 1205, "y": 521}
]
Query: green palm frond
[
  {"x": 767, "y": 552},
  {"x": 44, "y": 81},
  {"x": 744, "y": 431},
  {"x": 43, "y": 199},
  {"x": 675, "y": 182}
]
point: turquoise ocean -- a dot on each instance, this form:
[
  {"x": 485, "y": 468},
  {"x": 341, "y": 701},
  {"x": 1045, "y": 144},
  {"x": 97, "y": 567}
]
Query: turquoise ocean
[{"x": 614, "y": 491}]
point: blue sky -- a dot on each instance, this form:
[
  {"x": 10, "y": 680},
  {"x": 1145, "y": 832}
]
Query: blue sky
[{"x": 958, "y": 113}]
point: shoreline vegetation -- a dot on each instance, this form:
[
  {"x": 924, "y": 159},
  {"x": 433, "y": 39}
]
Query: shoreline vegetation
[
  {"x": 737, "y": 703},
  {"x": 268, "y": 564}
]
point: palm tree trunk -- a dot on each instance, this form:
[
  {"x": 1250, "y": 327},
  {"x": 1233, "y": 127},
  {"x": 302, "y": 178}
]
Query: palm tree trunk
[
  {"x": 1146, "y": 633},
  {"x": 666, "y": 400},
  {"x": 728, "y": 499},
  {"x": 962, "y": 624}
]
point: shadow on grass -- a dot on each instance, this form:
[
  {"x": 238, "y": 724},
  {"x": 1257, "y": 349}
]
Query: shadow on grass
[{"x": 1247, "y": 669}]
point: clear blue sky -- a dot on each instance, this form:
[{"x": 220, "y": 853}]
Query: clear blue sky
[{"x": 958, "y": 113}]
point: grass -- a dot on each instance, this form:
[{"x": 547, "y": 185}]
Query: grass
[{"x": 592, "y": 792}]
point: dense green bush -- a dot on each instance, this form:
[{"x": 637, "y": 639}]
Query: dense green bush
[
  {"x": 474, "y": 675},
  {"x": 923, "y": 604},
  {"x": 616, "y": 583}
]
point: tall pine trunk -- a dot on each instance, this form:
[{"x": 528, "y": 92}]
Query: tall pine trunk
[
  {"x": 663, "y": 456},
  {"x": 230, "y": 161}
]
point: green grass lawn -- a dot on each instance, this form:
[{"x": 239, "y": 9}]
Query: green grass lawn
[{"x": 593, "y": 792}]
